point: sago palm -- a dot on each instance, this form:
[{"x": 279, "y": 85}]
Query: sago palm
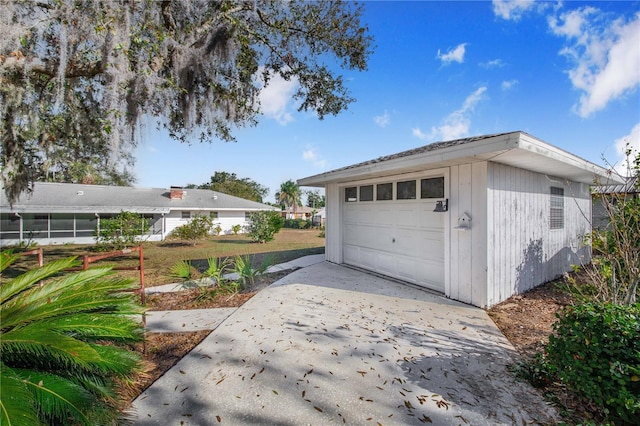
[{"x": 62, "y": 339}]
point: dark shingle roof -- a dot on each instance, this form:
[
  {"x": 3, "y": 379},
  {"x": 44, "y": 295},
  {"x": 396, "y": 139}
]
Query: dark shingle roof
[
  {"x": 69, "y": 197},
  {"x": 422, "y": 149}
]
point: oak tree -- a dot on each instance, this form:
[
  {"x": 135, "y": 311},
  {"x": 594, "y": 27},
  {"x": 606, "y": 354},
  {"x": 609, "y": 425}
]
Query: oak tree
[{"x": 85, "y": 75}]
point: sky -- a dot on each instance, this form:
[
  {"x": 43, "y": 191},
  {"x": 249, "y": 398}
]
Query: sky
[{"x": 565, "y": 72}]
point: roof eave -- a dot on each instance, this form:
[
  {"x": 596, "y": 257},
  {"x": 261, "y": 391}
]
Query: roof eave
[{"x": 516, "y": 149}]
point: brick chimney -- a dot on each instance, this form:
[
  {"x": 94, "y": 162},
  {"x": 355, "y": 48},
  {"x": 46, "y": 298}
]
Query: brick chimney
[{"x": 177, "y": 193}]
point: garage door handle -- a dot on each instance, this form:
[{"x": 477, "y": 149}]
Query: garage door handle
[{"x": 393, "y": 240}]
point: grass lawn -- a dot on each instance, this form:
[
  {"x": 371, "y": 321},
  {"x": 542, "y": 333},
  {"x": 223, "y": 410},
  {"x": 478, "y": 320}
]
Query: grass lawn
[{"x": 159, "y": 257}]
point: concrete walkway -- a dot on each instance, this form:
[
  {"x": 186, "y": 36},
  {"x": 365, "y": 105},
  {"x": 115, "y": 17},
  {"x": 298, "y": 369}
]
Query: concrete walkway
[{"x": 331, "y": 345}]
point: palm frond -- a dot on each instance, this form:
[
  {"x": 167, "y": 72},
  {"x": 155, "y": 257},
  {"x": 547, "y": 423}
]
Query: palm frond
[
  {"x": 117, "y": 361},
  {"x": 60, "y": 340},
  {"x": 91, "y": 296},
  {"x": 17, "y": 404},
  {"x": 17, "y": 285},
  {"x": 93, "y": 327},
  {"x": 32, "y": 345},
  {"x": 60, "y": 398},
  {"x": 52, "y": 288},
  {"x": 7, "y": 257}
]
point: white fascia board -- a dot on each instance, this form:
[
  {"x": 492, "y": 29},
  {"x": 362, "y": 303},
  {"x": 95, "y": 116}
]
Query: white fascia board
[
  {"x": 516, "y": 149},
  {"x": 83, "y": 210},
  {"x": 557, "y": 162},
  {"x": 456, "y": 154}
]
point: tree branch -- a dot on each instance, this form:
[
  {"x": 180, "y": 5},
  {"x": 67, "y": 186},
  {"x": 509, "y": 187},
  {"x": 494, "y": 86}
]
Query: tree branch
[{"x": 20, "y": 63}]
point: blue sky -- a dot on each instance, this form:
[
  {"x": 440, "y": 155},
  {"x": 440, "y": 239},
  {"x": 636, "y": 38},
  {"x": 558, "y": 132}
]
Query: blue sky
[{"x": 565, "y": 72}]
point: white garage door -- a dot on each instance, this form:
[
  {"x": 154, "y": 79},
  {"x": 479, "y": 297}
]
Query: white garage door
[{"x": 399, "y": 238}]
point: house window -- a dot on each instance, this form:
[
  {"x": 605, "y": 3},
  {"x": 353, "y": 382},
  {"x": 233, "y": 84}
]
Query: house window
[
  {"x": 406, "y": 190},
  {"x": 186, "y": 215},
  {"x": 213, "y": 215},
  {"x": 366, "y": 193},
  {"x": 384, "y": 191},
  {"x": 432, "y": 188},
  {"x": 351, "y": 194},
  {"x": 556, "y": 212}
]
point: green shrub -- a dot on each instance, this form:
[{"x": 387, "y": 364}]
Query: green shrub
[
  {"x": 198, "y": 228},
  {"x": 263, "y": 225},
  {"x": 595, "y": 350},
  {"x": 124, "y": 230},
  {"x": 65, "y": 345},
  {"x": 297, "y": 223},
  {"x": 236, "y": 228}
]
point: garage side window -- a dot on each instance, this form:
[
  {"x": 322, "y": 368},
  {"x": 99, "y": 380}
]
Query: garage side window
[
  {"x": 432, "y": 188},
  {"x": 366, "y": 193},
  {"x": 351, "y": 194},
  {"x": 556, "y": 213},
  {"x": 384, "y": 191},
  {"x": 185, "y": 214},
  {"x": 406, "y": 190}
]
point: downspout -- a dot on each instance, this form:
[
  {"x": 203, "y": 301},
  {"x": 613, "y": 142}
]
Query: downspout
[{"x": 163, "y": 227}]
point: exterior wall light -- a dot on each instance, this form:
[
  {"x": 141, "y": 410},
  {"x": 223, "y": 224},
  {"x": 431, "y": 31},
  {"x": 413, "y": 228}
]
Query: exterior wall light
[{"x": 442, "y": 206}]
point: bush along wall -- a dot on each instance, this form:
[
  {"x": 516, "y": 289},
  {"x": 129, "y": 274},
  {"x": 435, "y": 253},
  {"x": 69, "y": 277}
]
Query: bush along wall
[
  {"x": 595, "y": 350},
  {"x": 297, "y": 223}
]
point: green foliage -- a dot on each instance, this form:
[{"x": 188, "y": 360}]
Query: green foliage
[
  {"x": 63, "y": 344},
  {"x": 247, "y": 273},
  {"x": 297, "y": 223},
  {"x": 263, "y": 225},
  {"x": 198, "y": 228},
  {"x": 290, "y": 195},
  {"x": 315, "y": 200},
  {"x": 615, "y": 267},
  {"x": 236, "y": 228},
  {"x": 216, "y": 269},
  {"x": 181, "y": 270},
  {"x": 124, "y": 230},
  {"x": 230, "y": 184},
  {"x": 538, "y": 371},
  {"x": 595, "y": 350},
  {"x": 90, "y": 74},
  {"x": 217, "y": 229}
]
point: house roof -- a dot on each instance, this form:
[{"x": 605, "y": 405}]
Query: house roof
[
  {"x": 73, "y": 198},
  {"x": 517, "y": 149},
  {"x": 631, "y": 186}
]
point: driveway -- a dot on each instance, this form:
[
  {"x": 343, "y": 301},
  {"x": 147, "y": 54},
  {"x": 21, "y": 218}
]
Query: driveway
[{"x": 332, "y": 345}]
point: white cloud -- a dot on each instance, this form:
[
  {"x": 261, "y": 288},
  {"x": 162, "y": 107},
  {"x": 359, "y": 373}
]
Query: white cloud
[
  {"x": 512, "y": 9},
  {"x": 495, "y": 63},
  {"x": 454, "y": 55},
  {"x": 456, "y": 124},
  {"x": 276, "y": 97},
  {"x": 382, "y": 120},
  {"x": 630, "y": 141},
  {"x": 418, "y": 133},
  {"x": 605, "y": 56},
  {"x": 508, "y": 84},
  {"x": 311, "y": 156}
]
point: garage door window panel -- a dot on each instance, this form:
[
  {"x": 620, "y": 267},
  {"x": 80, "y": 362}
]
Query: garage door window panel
[
  {"x": 384, "y": 191},
  {"x": 351, "y": 194},
  {"x": 406, "y": 190},
  {"x": 432, "y": 188},
  {"x": 366, "y": 193}
]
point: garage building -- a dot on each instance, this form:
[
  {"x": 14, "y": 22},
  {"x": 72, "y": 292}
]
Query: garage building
[{"x": 478, "y": 219}]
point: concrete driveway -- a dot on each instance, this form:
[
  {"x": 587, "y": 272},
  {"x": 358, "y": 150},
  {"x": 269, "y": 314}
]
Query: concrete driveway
[{"x": 332, "y": 345}]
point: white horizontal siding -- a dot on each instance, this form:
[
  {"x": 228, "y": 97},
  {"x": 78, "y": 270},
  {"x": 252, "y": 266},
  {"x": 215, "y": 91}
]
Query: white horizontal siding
[{"x": 523, "y": 251}]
